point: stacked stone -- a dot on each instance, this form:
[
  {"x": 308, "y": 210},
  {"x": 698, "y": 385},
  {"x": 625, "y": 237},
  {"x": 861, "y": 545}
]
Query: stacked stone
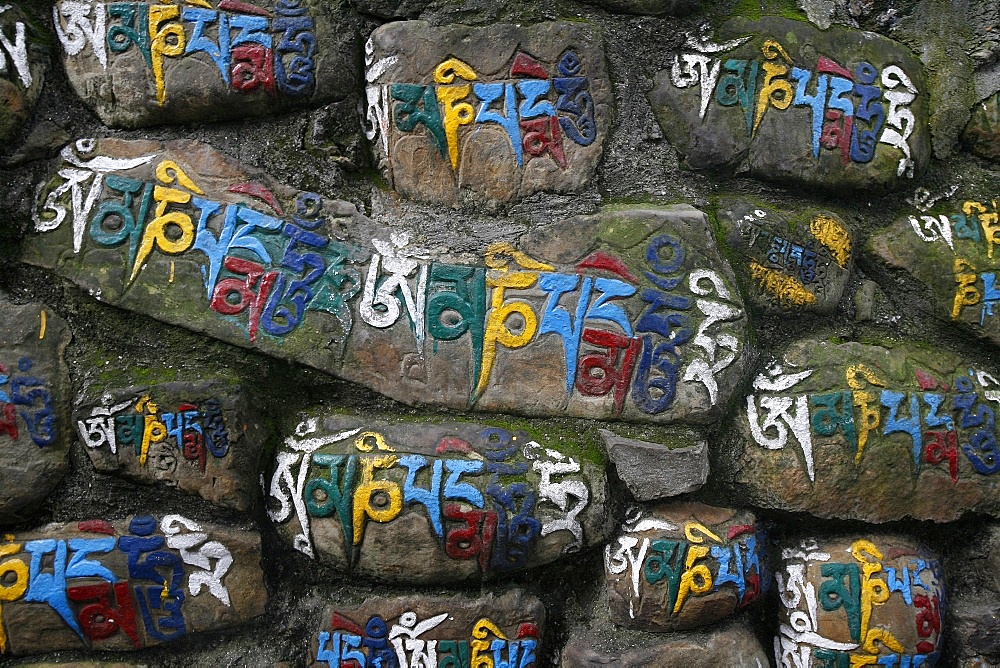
[{"x": 475, "y": 406}]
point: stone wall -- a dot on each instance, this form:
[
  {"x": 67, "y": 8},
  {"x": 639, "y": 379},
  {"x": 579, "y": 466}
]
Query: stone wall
[{"x": 484, "y": 334}]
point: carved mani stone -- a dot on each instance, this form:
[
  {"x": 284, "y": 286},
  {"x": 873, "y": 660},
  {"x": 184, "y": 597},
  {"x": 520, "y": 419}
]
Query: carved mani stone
[
  {"x": 199, "y": 437},
  {"x": 418, "y": 502},
  {"x": 139, "y": 64},
  {"x": 790, "y": 261},
  {"x": 489, "y": 114},
  {"x": 949, "y": 249},
  {"x": 34, "y": 410},
  {"x": 859, "y": 600},
  {"x": 23, "y": 65},
  {"x": 684, "y": 565},
  {"x": 838, "y": 109},
  {"x": 871, "y": 433},
  {"x": 113, "y": 586},
  {"x": 627, "y": 314},
  {"x": 490, "y": 630}
]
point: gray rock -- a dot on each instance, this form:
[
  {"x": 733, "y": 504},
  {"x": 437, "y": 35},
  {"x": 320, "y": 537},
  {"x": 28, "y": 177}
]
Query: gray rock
[
  {"x": 791, "y": 261},
  {"x": 491, "y": 115},
  {"x": 145, "y": 65},
  {"x": 868, "y": 432},
  {"x": 168, "y": 577},
  {"x": 581, "y": 313},
  {"x": 200, "y": 437},
  {"x": 428, "y": 503},
  {"x": 491, "y": 629},
  {"x": 982, "y": 134},
  {"x": 34, "y": 407},
  {"x": 650, "y": 7},
  {"x": 733, "y": 644},
  {"x": 841, "y": 596},
  {"x": 744, "y": 105},
  {"x": 391, "y": 9},
  {"x": 948, "y": 249},
  {"x": 684, "y": 565},
  {"x": 659, "y": 470}
]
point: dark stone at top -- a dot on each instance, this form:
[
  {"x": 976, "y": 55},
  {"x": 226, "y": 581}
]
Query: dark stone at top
[
  {"x": 838, "y": 109},
  {"x": 138, "y": 64}
]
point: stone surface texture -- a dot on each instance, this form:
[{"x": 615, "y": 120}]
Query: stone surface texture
[
  {"x": 868, "y": 432},
  {"x": 413, "y": 502},
  {"x": 948, "y": 248},
  {"x": 34, "y": 407},
  {"x": 141, "y": 65},
  {"x": 982, "y": 134},
  {"x": 315, "y": 281},
  {"x": 719, "y": 115},
  {"x": 732, "y": 644},
  {"x": 200, "y": 437},
  {"x": 488, "y": 630},
  {"x": 167, "y": 576},
  {"x": 684, "y": 565},
  {"x": 858, "y": 600},
  {"x": 490, "y": 114},
  {"x": 656, "y": 470},
  {"x": 789, "y": 261}
]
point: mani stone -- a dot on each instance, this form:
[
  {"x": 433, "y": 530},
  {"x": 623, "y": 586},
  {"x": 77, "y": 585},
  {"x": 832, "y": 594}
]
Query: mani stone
[
  {"x": 627, "y": 314},
  {"x": 435, "y": 503},
  {"x": 684, "y": 565},
  {"x": 790, "y": 262},
  {"x": 23, "y": 65},
  {"x": 137, "y": 65},
  {"x": 732, "y": 644},
  {"x": 676, "y": 464},
  {"x": 982, "y": 134},
  {"x": 837, "y": 109},
  {"x": 34, "y": 407},
  {"x": 200, "y": 437},
  {"x": 125, "y": 585},
  {"x": 493, "y": 114},
  {"x": 949, "y": 250},
  {"x": 866, "y": 432},
  {"x": 421, "y": 630},
  {"x": 859, "y": 600}
]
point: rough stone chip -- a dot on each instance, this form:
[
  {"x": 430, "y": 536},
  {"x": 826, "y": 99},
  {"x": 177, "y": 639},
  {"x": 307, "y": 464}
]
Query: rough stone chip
[
  {"x": 428, "y": 503},
  {"x": 659, "y": 470},
  {"x": 627, "y": 314},
  {"x": 496, "y": 630},
  {"x": 789, "y": 261},
  {"x": 200, "y": 437},
  {"x": 868, "y": 432},
  {"x": 838, "y": 109},
  {"x": 486, "y": 114},
  {"x": 684, "y": 565},
  {"x": 137, "y": 65},
  {"x": 34, "y": 407},
  {"x": 126, "y": 585},
  {"x": 859, "y": 600}
]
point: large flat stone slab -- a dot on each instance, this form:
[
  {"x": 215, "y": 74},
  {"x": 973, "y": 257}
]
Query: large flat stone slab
[
  {"x": 859, "y": 600},
  {"x": 627, "y": 314},
  {"x": 125, "y": 585},
  {"x": 490, "y": 114},
  {"x": 949, "y": 249},
  {"x": 139, "y": 64},
  {"x": 423, "y": 502},
  {"x": 868, "y": 432},
  {"x": 35, "y": 394},
  {"x": 200, "y": 437},
  {"x": 426, "y": 630},
  {"x": 679, "y": 566},
  {"x": 837, "y": 109}
]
